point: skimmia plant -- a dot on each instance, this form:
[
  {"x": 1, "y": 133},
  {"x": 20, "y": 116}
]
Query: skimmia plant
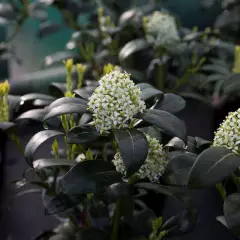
[
  {"x": 118, "y": 144},
  {"x": 202, "y": 164}
]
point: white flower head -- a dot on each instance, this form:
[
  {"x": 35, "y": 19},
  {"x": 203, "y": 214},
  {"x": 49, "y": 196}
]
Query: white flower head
[
  {"x": 153, "y": 166},
  {"x": 115, "y": 102},
  {"x": 161, "y": 28},
  {"x": 228, "y": 134}
]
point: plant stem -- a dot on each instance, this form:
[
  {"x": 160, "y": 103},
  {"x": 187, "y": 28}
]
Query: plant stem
[{"x": 114, "y": 235}]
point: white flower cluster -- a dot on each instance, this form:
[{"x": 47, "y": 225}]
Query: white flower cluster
[
  {"x": 115, "y": 102},
  {"x": 161, "y": 28},
  {"x": 153, "y": 166},
  {"x": 228, "y": 134}
]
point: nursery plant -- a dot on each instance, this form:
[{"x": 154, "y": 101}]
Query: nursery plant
[{"x": 117, "y": 146}]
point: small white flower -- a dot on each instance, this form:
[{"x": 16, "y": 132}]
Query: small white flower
[
  {"x": 115, "y": 102},
  {"x": 153, "y": 166},
  {"x": 228, "y": 134},
  {"x": 162, "y": 29}
]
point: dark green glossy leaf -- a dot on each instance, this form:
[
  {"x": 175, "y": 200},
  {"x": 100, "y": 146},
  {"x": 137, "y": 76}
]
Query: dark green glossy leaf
[
  {"x": 34, "y": 96},
  {"x": 89, "y": 177},
  {"x": 35, "y": 114},
  {"x": 85, "y": 92},
  {"x": 148, "y": 91},
  {"x": 132, "y": 47},
  {"x": 166, "y": 121},
  {"x": 232, "y": 212},
  {"x": 175, "y": 192},
  {"x": 36, "y": 141},
  {"x": 86, "y": 118},
  {"x": 216, "y": 69},
  {"x": 171, "y": 103},
  {"x": 45, "y": 163},
  {"x": 47, "y": 28},
  {"x": 133, "y": 147},
  {"x": 213, "y": 165},
  {"x": 84, "y": 134},
  {"x": 178, "y": 168},
  {"x": 61, "y": 203},
  {"x": 59, "y": 57},
  {"x": 175, "y": 143},
  {"x": 200, "y": 143},
  {"x": 98, "y": 214},
  {"x": 152, "y": 131},
  {"x": 57, "y": 89},
  {"x": 64, "y": 106},
  {"x": 232, "y": 85},
  {"x": 7, "y": 11},
  {"x": 7, "y": 126},
  {"x": 222, "y": 220}
]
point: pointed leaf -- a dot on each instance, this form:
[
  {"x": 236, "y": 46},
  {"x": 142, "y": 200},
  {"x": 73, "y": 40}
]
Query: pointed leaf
[
  {"x": 178, "y": 168},
  {"x": 90, "y": 177},
  {"x": 132, "y": 47},
  {"x": 35, "y": 114},
  {"x": 133, "y": 147},
  {"x": 34, "y": 96},
  {"x": 6, "y": 126},
  {"x": 45, "y": 163},
  {"x": 57, "y": 89},
  {"x": 36, "y": 141},
  {"x": 84, "y": 134},
  {"x": 171, "y": 103},
  {"x": 166, "y": 121},
  {"x": 65, "y": 106},
  {"x": 148, "y": 91},
  {"x": 213, "y": 165},
  {"x": 61, "y": 203},
  {"x": 47, "y": 28}
]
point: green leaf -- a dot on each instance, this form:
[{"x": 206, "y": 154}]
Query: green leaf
[
  {"x": 216, "y": 69},
  {"x": 152, "y": 131},
  {"x": 36, "y": 141},
  {"x": 35, "y": 114},
  {"x": 34, "y": 96},
  {"x": 166, "y": 121},
  {"x": 82, "y": 134},
  {"x": 201, "y": 143},
  {"x": 148, "y": 91},
  {"x": 232, "y": 212},
  {"x": 178, "y": 168},
  {"x": 47, "y": 28},
  {"x": 175, "y": 143},
  {"x": 45, "y": 163},
  {"x": 132, "y": 47},
  {"x": 61, "y": 203},
  {"x": 175, "y": 192},
  {"x": 133, "y": 147},
  {"x": 67, "y": 106},
  {"x": 232, "y": 85},
  {"x": 213, "y": 165},
  {"x": 85, "y": 92},
  {"x": 171, "y": 103},
  {"x": 90, "y": 177},
  {"x": 59, "y": 57},
  {"x": 7, "y": 126},
  {"x": 57, "y": 89}
]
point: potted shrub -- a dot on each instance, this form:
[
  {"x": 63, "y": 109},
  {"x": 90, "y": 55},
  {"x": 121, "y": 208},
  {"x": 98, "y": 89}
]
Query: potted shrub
[{"x": 112, "y": 159}]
